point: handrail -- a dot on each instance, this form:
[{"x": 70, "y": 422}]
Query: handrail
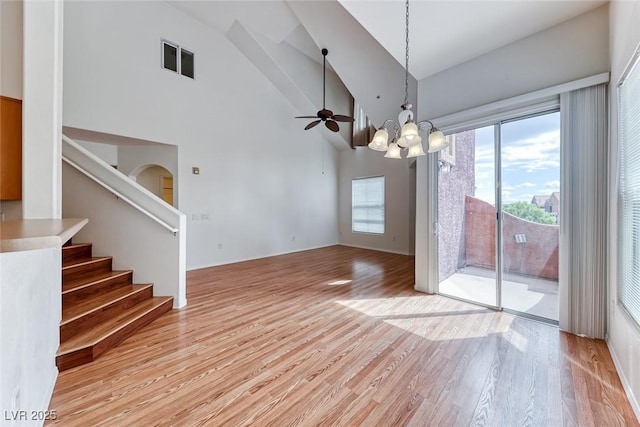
[{"x": 121, "y": 186}]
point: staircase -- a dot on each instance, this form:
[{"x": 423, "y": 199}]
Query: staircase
[{"x": 100, "y": 307}]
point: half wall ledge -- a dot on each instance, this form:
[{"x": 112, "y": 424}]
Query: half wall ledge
[{"x": 32, "y": 234}]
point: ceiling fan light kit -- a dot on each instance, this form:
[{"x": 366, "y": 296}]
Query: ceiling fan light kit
[
  {"x": 330, "y": 120},
  {"x": 406, "y": 136}
]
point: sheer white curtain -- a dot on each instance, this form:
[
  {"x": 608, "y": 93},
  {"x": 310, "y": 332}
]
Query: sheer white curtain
[{"x": 583, "y": 212}]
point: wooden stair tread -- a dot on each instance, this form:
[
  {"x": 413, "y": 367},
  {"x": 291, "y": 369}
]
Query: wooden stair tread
[
  {"x": 100, "y": 307},
  {"x": 68, "y": 265},
  {"x": 99, "y": 302},
  {"x": 75, "y": 246},
  {"x": 85, "y": 281},
  {"x": 113, "y": 325}
]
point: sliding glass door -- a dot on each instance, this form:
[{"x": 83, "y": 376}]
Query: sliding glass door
[
  {"x": 530, "y": 200},
  {"x": 498, "y": 205},
  {"x": 467, "y": 218}
]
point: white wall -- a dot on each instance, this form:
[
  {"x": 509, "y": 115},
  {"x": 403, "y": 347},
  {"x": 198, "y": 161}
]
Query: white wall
[
  {"x": 11, "y": 49},
  {"x": 42, "y": 110},
  {"x": 298, "y": 78},
  {"x": 568, "y": 51},
  {"x": 107, "y": 152},
  {"x": 623, "y": 335},
  {"x": 399, "y": 200},
  {"x": 30, "y": 314},
  {"x": 265, "y": 184},
  {"x": 11, "y": 74},
  {"x": 132, "y": 157}
]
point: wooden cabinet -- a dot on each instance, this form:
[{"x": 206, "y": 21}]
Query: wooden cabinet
[{"x": 10, "y": 148}]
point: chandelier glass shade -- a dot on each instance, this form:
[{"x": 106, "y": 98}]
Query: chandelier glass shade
[
  {"x": 379, "y": 141},
  {"x": 437, "y": 140},
  {"x": 405, "y": 133},
  {"x": 393, "y": 152}
]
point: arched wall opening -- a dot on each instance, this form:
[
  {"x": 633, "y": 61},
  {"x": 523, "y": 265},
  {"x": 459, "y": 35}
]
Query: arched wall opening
[{"x": 157, "y": 180}]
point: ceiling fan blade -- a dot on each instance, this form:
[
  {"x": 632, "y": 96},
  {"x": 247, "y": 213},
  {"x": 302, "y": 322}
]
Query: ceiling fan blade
[
  {"x": 306, "y": 117},
  {"x": 312, "y": 124},
  {"x": 341, "y": 118},
  {"x": 331, "y": 125}
]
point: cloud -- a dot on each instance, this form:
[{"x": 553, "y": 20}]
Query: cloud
[
  {"x": 484, "y": 177},
  {"x": 530, "y": 156},
  {"x": 533, "y": 153}
]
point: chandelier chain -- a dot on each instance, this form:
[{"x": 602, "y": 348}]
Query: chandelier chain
[
  {"x": 406, "y": 136},
  {"x": 406, "y": 56}
]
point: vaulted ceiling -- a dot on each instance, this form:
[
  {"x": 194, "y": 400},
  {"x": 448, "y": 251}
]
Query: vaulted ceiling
[{"x": 366, "y": 41}]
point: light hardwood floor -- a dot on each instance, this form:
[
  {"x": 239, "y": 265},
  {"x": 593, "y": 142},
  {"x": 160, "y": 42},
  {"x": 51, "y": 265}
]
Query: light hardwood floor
[{"x": 338, "y": 336}]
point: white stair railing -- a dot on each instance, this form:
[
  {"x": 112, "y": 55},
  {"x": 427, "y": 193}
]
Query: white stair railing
[
  {"x": 156, "y": 256},
  {"x": 120, "y": 185}
]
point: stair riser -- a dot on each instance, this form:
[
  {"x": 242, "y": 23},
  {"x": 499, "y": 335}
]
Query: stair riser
[
  {"x": 90, "y": 353},
  {"x": 95, "y": 289},
  {"x": 75, "y": 253},
  {"x": 74, "y": 272},
  {"x": 77, "y": 358},
  {"x": 115, "y": 339},
  {"x": 83, "y": 323}
]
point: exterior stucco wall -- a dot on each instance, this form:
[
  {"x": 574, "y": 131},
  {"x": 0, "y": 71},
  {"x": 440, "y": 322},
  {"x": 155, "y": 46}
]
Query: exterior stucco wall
[
  {"x": 538, "y": 256},
  {"x": 453, "y": 186}
]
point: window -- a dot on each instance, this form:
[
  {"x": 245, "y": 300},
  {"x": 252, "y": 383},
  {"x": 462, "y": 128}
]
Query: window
[
  {"x": 169, "y": 56},
  {"x": 629, "y": 228},
  {"x": 367, "y": 205},
  {"x": 177, "y": 59},
  {"x": 186, "y": 63},
  {"x": 362, "y": 129}
]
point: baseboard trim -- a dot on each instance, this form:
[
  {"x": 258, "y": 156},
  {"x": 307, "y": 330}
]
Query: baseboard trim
[
  {"x": 377, "y": 249},
  {"x": 200, "y": 267},
  {"x": 423, "y": 290},
  {"x": 192, "y": 268},
  {"x": 623, "y": 378}
]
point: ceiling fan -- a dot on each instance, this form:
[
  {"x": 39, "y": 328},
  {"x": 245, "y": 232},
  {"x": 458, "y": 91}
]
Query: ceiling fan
[{"x": 330, "y": 120}]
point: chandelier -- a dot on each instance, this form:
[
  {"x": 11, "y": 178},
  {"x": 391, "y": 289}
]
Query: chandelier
[{"x": 406, "y": 137}]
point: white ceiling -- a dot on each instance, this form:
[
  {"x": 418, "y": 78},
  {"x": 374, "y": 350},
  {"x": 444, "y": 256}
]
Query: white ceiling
[
  {"x": 271, "y": 18},
  {"x": 445, "y": 33}
]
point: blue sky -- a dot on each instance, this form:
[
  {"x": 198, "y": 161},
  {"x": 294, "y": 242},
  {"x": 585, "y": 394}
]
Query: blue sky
[{"x": 530, "y": 159}]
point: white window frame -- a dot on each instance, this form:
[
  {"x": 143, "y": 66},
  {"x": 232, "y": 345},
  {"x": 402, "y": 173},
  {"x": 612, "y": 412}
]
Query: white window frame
[
  {"x": 179, "y": 50},
  {"x": 372, "y": 179},
  {"x": 628, "y": 294}
]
